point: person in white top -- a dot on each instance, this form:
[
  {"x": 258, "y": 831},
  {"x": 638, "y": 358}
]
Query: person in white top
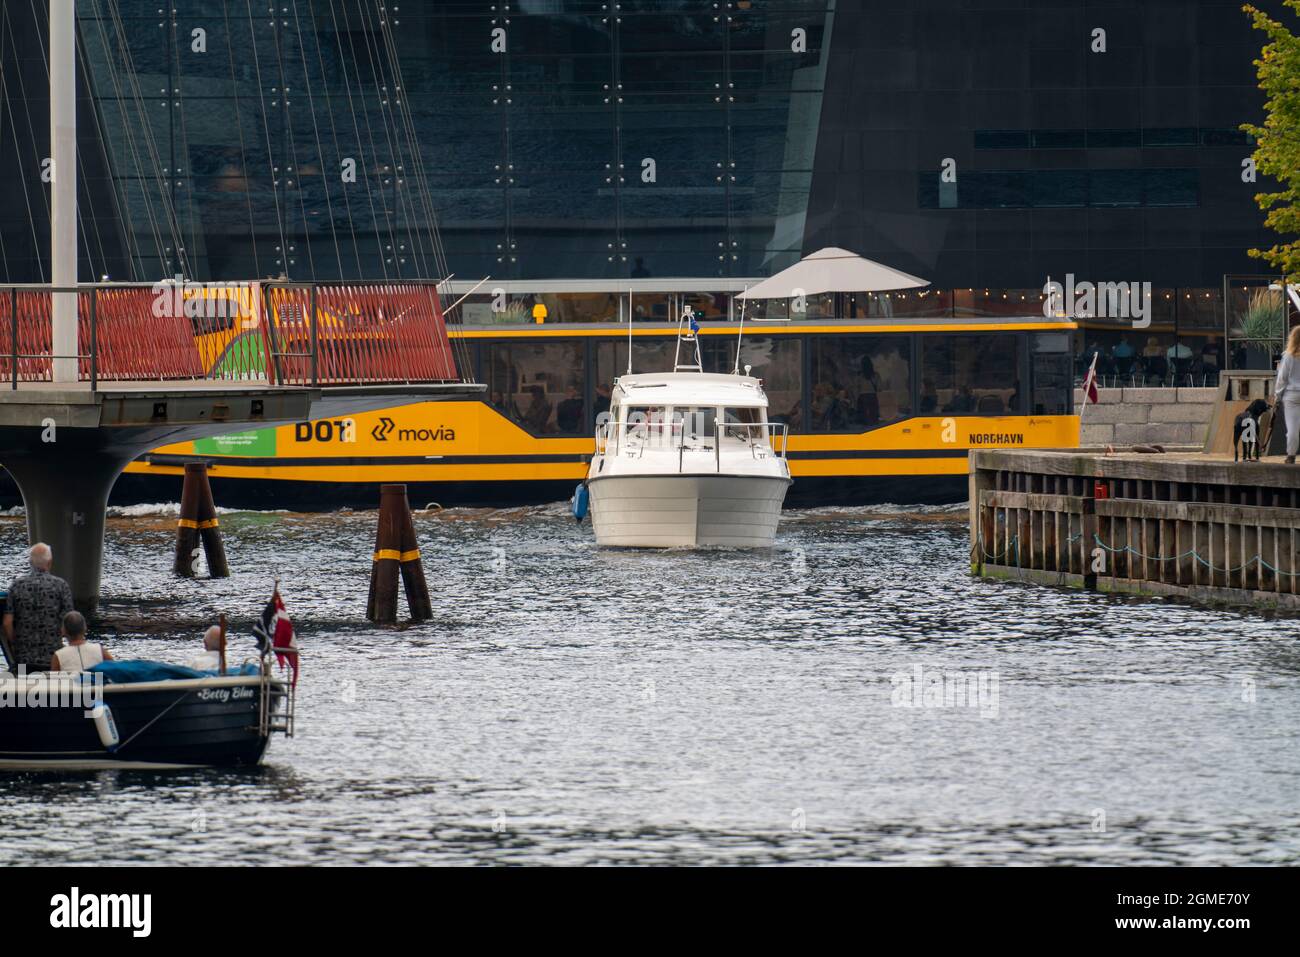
[
  {"x": 210, "y": 659},
  {"x": 1286, "y": 390},
  {"x": 78, "y": 654}
]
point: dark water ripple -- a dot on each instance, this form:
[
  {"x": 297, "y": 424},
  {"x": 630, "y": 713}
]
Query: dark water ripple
[{"x": 572, "y": 705}]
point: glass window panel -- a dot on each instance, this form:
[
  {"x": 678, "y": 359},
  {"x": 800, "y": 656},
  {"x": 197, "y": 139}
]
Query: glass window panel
[
  {"x": 1000, "y": 189},
  {"x": 648, "y": 355},
  {"x": 1226, "y": 138},
  {"x": 1171, "y": 187},
  {"x": 1182, "y": 136},
  {"x": 1114, "y": 139},
  {"x": 538, "y": 385},
  {"x": 776, "y": 360},
  {"x": 1001, "y": 139},
  {"x": 971, "y": 375},
  {"x": 1059, "y": 139},
  {"x": 1115, "y": 187},
  {"x": 860, "y": 382},
  {"x": 1059, "y": 188},
  {"x": 1052, "y": 374}
]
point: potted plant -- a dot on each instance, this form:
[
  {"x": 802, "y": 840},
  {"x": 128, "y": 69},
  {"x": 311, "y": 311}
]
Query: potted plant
[{"x": 1262, "y": 329}]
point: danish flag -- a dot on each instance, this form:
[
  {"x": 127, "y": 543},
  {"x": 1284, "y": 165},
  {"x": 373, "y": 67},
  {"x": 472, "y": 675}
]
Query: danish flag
[
  {"x": 1090, "y": 383},
  {"x": 274, "y": 631}
]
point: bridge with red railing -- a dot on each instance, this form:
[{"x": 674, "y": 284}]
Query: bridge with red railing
[
  {"x": 272, "y": 333},
  {"x": 178, "y": 361}
]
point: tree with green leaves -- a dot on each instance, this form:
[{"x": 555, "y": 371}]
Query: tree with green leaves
[{"x": 1277, "y": 142}]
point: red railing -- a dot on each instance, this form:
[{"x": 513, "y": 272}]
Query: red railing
[
  {"x": 280, "y": 333},
  {"x": 346, "y": 333},
  {"x": 119, "y": 333}
]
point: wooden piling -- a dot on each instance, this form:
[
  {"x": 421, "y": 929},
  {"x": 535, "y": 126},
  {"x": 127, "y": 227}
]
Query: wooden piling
[
  {"x": 198, "y": 525},
  {"x": 1193, "y": 525},
  {"x": 396, "y": 553}
]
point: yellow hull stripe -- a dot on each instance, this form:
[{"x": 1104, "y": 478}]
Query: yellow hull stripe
[
  {"x": 392, "y": 554},
  {"x": 575, "y": 471},
  {"x": 472, "y": 442},
  {"x": 759, "y": 329}
]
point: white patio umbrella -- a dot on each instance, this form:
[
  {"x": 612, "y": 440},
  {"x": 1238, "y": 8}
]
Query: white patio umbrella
[{"x": 832, "y": 270}]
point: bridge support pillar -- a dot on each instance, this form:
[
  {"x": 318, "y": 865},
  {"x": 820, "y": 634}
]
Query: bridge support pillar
[
  {"x": 65, "y": 448},
  {"x": 65, "y": 494}
]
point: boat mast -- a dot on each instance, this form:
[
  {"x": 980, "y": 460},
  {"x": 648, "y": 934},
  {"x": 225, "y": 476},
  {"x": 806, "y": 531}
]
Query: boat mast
[
  {"x": 741, "y": 335},
  {"x": 63, "y": 187}
]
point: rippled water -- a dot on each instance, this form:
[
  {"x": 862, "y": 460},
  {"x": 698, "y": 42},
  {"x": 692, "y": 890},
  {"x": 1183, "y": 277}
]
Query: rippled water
[{"x": 575, "y": 705}]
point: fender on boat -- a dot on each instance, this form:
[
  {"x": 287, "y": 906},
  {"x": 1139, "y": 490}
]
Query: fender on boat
[
  {"x": 102, "y": 715},
  {"x": 581, "y": 501}
]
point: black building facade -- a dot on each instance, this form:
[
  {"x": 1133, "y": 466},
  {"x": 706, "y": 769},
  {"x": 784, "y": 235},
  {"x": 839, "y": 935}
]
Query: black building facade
[
  {"x": 1100, "y": 139},
  {"x": 983, "y": 144}
]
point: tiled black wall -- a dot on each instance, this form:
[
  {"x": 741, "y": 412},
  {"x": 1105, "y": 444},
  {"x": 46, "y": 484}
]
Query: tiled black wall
[{"x": 913, "y": 83}]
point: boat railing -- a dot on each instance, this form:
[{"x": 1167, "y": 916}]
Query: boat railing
[
  {"x": 756, "y": 435},
  {"x": 270, "y": 718},
  {"x": 634, "y": 438}
]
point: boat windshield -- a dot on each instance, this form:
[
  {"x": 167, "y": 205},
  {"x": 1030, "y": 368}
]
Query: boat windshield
[
  {"x": 644, "y": 421},
  {"x": 694, "y": 422},
  {"x": 746, "y": 416}
]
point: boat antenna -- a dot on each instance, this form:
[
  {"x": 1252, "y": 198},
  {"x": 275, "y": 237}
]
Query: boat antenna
[
  {"x": 743, "y": 303},
  {"x": 629, "y": 330},
  {"x": 449, "y": 310}
]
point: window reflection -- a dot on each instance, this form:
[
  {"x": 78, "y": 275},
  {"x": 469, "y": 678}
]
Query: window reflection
[
  {"x": 539, "y": 385},
  {"x": 971, "y": 375},
  {"x": 1052, "y": 378},
  {"x": 546, "y": 180},
  {"x": 648, "y": 355},
  {"x": 777, "y": 360},
  {"x": 860, "y": 382}
]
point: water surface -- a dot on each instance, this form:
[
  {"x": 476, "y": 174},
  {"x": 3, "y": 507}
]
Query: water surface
[{"x": 576, "y": 705}]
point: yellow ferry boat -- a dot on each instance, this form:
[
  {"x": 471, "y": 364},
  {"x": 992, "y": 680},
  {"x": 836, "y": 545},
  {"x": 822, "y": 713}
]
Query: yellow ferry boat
[{"x": 879, "y": 410}]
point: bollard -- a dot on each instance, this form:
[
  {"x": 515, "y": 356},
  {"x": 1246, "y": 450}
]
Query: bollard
[
  {"x": 198, "y": 523},
  {"x": 396, "y": 552}
]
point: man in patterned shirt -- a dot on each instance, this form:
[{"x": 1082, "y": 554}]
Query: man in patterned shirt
[{"x": 34, "y": 608}]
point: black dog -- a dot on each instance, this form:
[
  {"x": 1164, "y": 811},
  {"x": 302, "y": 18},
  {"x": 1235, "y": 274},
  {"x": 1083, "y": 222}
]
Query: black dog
[{"x": 1252, "y": 413}]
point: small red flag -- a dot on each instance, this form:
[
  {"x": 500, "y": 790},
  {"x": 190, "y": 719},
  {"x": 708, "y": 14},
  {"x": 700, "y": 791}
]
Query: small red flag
[
  {"x": 1090, "y": 383},
  {"x": 274, "y": 632}
]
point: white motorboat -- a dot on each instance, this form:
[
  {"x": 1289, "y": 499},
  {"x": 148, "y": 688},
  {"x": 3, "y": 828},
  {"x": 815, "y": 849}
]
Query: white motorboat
[{"x": 688, "y": 459}]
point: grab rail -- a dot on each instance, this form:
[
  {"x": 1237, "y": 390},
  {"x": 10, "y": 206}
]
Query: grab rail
[
  {"x": 673, "y": 436},
  {"x": 269, "y": 717}
]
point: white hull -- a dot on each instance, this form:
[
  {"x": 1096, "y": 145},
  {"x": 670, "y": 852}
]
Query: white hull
[{"x": 686, "y": 511}]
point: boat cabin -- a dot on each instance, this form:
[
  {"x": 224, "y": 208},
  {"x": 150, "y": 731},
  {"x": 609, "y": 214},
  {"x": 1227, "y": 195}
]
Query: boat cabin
[{"x": 691, "y": 411}]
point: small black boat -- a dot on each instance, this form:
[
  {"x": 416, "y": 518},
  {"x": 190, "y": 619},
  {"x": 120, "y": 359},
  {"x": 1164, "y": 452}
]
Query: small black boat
[{"x": 76, "y": 722}]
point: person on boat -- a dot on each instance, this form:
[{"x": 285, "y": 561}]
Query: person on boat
[
  {"x": 78, "y": 654},
  {"x": 600, "y": 404},
  {"x": 929, "y": 397},
  {"x": 962, "y": 402},
  {"x": 568, "y": 414},
  {"x": 538, "y": 414},
  {"x": 822, "y": 401},
  {"x": 210, "y": 659},
  {"x": 34, "y": 610}
]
